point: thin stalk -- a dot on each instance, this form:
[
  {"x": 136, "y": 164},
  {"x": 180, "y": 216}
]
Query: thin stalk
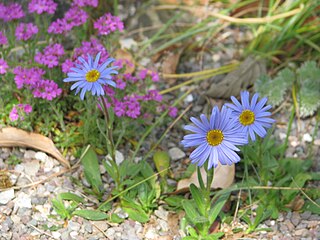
[
  {"x": 59, "y": 115},
  {"x": 110, "y": 142}
]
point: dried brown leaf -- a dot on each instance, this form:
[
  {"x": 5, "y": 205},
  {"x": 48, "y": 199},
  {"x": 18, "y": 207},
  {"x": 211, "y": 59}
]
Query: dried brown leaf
[
  {"x": 223, "y": 178},
  {"x": 14, "y": 137}
]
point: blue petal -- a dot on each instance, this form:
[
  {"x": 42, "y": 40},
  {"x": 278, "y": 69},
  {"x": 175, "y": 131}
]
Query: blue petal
[
  {"x": 245, "y": 99},
  {"x": 96, "y": 61},
  {"x": 199, "y": 124},
  {"x": 194, "y": 129}
]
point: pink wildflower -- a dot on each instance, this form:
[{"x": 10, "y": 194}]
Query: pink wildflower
[
  {"x": 3, "y": 39},
  {"x": 27, "y": 76},
  {"x": 50, "y": 55},
  {"x": 153, "y": 95},
  {"x": 11, "y": 12},
  {"x": 46, "y": 89},
  {"x": 84, "y": 3},
  {"x": 3, "y": 66},
  {"x": 19, "y": 111},
  {"x": 42, "y": 6},
  {"x": 25, "y": 31},
  {"x": 67, "y": 65},
  {"x": 173, "y": 111},
  {"x": 107, "y": 24},
  {"x": 155, "y": 77},
  {"x": 143, "y": 74}
]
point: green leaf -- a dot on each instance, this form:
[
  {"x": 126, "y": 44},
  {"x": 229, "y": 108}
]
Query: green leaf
[
  {"x": 91, "y": 169},
  {"x": 71, "y": 196},
  {"x": 191, "y": 212},
  {"x": 217, "y": 206},
  {"x": 115, "y": 218},
  {"x": 137, "y": 215},
  {"x": 193, "y": 233},
  {"x": 310, "y": 206},
  {"x": 162, "y": 161},
  {"x": 147, "y": 171},
  {"x": 94, "y": 215},
  {"x": 174, "y": 201},
  {"x": 298, "y": 181},
  {"x": 198, "y": 198},
  {"x": 60, "y": 208}
]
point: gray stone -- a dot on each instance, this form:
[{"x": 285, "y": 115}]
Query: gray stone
[
  {"x": 29, "y": 154},
  {"x": 176, "y": 153},
  {"x": 6, "y": 196},
  {"x": 73, "y": 226},
  {"x": 31, "y": 168},
  {"x": 295, "y": 219},
  {"x": 289, "y": 225},
  {"x": 306, "y": 215},
  {"x": 41, "y": 156},
  {"x": 302, "y": 232},
  {"x": 22, "y": 201}
]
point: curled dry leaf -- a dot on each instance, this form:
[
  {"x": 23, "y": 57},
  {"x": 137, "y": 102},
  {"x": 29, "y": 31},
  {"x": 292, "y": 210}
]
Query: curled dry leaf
[
  {"x": 240, "y": 79},
  {"x": 14, "y": 137},
  {"x": 223, "y": 178},
  {"x": 127, "y": 59}
]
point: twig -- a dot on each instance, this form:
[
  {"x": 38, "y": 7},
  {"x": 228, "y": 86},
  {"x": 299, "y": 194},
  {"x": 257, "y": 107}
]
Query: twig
[
  {"x": 40, "y": 231},
  {"x": 100, "y": 230},
  {"x": 300, "y": 189}
]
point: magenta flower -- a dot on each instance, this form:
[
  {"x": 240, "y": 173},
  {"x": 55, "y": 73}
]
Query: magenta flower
[
  {"x": 25, "y": 31},
  {"x": 27, "y": 76},
  {"x": 72, "y": 18},
  {"x": 85, "y": 3},
  {"x": 3, "y": 39},
  {"x": 67, "y": 65},
  {"x": 3, "y": 66},
  {"x": 153, "y": 95},
  {"x": 173, "y": 111},
  {"x": 42, "y": 6},
  {"x": 107, "y": 24},
  {"x": 46, "y": 89},
  {"x": 50, "y": 55},
  {"x": 20, "y": 111},
  {"x": 11, "y": 12}
]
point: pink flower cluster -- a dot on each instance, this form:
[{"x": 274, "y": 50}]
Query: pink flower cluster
[
  {"x": 32, "y": 79},
  {"x": 50, "y": 55},
  {"x": 92, "y": 47},
  {"x": 107, "y": 24},
  {"x": 72, "y": 18},
  {"x": 25, "y": 31},
  {"x": 42, "y": 6},
  {"x": 3, "y": 39},
  {"x": 84, "y": 3},
  {"x": 3, "y": 66},
  {"x": 20, "y": 111},
  {"x": 145, "y": 72},
  {"x": 11, "y": 12}
]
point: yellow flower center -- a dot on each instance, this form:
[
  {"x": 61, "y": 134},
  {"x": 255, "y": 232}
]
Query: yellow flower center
[
  {"x": 246, "y": 117},
  {"x": 214, "y": 137},
  {"x": 92, "y": 75}
]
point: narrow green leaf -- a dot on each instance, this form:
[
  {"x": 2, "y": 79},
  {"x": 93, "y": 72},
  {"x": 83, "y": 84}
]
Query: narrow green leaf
[
  {"x": 71, "y": 196},
  {"x": 94, "y": 215},
  {"x": 115, "y": 218},
  {"x": 191, "y": 212},
  {"x": 91, "y": 169},
  {"x": 137, "y": 215},
  {"x": 217, "y": 206},
  {"x": 198, "y": 198}
]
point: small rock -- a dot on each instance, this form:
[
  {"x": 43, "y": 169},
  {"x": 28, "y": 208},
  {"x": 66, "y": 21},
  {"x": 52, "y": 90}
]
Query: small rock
[
  {"x": 73, "y": 226},
  {"x": 31, "y": 168},
  {"x": 110, "y": 233},
  {"x": 272, "y": 222},
  {"x": 19, "y": 168},
  {"x": 74, "y": 235},
  {"x": 307, "y": 138},
  {"x": 22, "y": 201},
  {"x": 176, "y": 153},
  {"x": 306, "y": 215},
  {"x": 6, "y": 196},
  {"x": 88, "y": 227},
  {"x": 161, "y": 213},
  {"x": 295, "y": 219},
  {"x": 289, "y": 225},
  {"x": 313, "y": 224},
  {"x": 280, "y": 218},
  {"x": 302, "y": 232},
  {"x": 188, "y": 99},
  {"x": 48, "y": 165},
  {"x": 119, "y": 157},
  {"x": 29, "y": 154},
  {"x": 41, "y": 156},
  {"x": 56, "y": 235},
  {"x": 197, "y": 108}
]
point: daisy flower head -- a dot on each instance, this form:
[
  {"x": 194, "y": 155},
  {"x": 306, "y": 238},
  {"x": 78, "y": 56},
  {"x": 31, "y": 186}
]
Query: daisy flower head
[
  {"x": 216, "y": 139},
  {"x": 251, "y": 118},
  {"x": 91, "y": 76}
]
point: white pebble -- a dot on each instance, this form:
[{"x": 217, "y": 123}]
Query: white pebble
[{"x": 6, "y": 196}]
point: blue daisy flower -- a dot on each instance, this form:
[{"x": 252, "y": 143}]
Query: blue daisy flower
[
  {"x": 90, "y": 76},
  {"x": 251, "y": 117},
  {"x": 216, "y": 139}
]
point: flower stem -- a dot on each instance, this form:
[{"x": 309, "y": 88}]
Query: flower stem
[{"x": 110, "y": 142}]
